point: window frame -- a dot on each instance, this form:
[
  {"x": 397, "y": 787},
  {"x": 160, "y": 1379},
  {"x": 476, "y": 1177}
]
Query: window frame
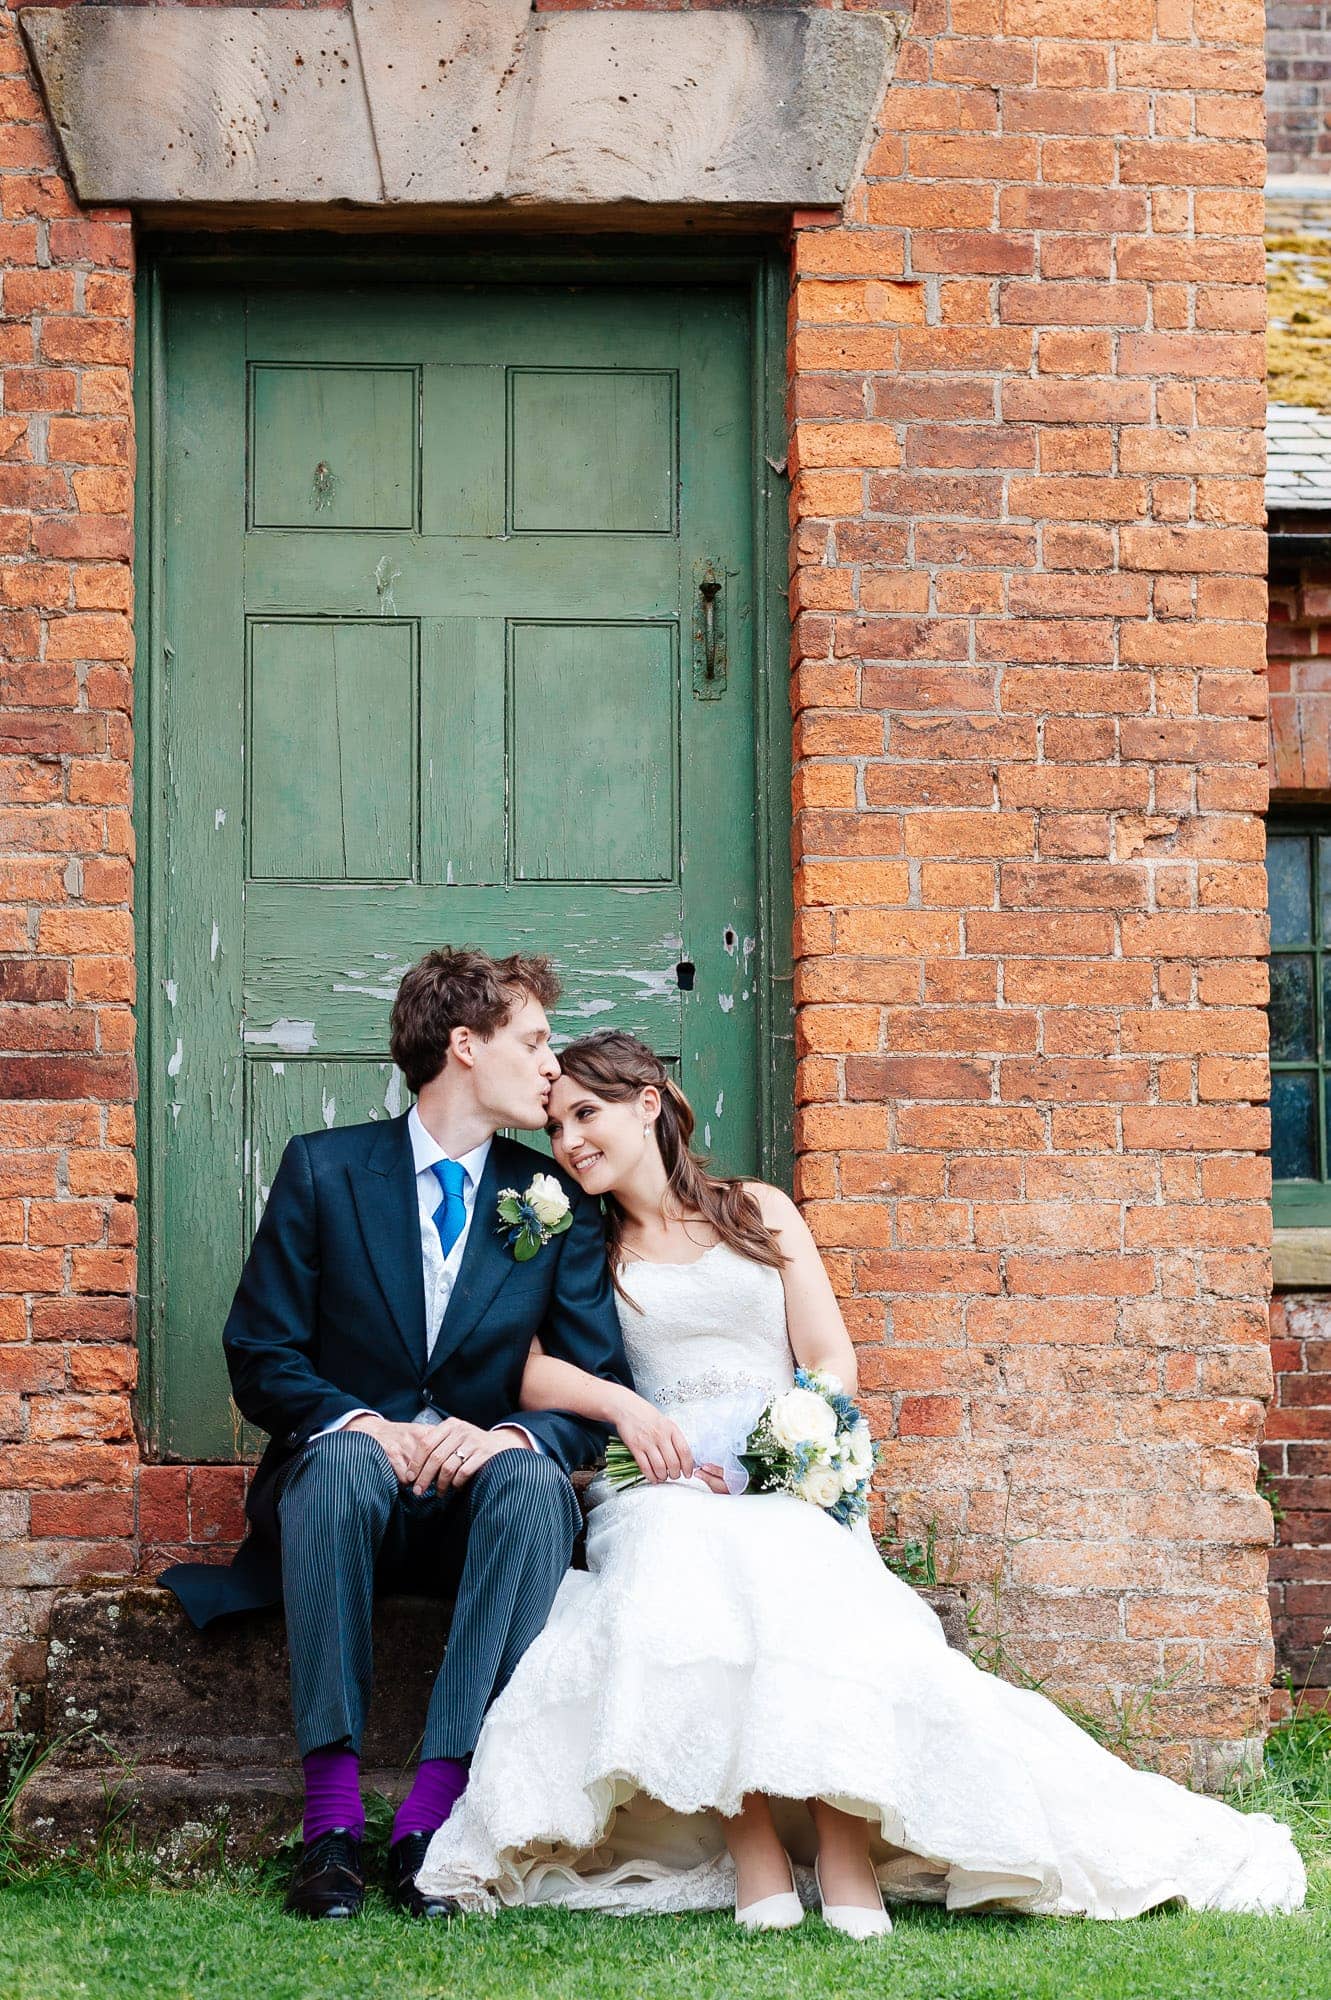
[{"x": 1306, "y": 1204}]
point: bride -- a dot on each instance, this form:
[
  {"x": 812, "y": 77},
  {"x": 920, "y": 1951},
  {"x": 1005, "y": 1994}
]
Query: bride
[{"x": 734, "y": 1684}]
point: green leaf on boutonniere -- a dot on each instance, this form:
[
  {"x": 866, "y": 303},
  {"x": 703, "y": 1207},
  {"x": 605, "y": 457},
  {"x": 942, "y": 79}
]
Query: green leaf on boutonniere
[
  {"x": 526, "y": 1247},
  {"x": 558, "y": 1228},
  {"x": 510, "y": 1208}
]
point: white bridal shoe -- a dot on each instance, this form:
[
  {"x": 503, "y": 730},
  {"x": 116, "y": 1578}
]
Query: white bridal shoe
[
  {"x": 852, "y": 1921},
  {"x": 773, "y": 1913}
]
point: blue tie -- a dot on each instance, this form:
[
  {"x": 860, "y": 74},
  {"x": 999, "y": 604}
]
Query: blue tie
[{"x": 451, "y": 1212}]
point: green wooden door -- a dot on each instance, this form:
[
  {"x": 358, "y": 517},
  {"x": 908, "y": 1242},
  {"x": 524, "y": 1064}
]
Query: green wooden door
[{"x": 457, "y": 616}]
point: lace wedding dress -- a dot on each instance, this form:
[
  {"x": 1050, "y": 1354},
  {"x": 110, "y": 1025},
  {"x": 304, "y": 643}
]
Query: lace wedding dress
[{"x": 718, "y": 1645}]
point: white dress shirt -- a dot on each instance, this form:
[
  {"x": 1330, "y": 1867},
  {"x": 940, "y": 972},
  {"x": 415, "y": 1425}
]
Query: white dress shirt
[{"x": 440, "y": 1273}]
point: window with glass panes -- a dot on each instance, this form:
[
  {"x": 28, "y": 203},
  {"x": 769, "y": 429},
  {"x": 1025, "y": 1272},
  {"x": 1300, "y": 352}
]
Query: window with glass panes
[{"x": 1298, "y": 870}]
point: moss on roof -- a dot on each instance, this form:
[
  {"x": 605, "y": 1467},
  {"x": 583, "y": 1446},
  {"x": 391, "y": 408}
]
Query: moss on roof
[{"x": 1298, "y": 332}]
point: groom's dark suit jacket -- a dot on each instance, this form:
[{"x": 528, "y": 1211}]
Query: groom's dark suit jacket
[{"x": 329, "y": 1317}]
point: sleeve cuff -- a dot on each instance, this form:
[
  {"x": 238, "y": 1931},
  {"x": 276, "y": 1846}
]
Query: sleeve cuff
[
  {"x": 522, "y": 1430},
  {"x": 338, "y": 1424}
]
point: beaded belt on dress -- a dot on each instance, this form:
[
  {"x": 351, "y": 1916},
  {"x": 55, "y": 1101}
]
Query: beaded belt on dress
[{"x": 713, "y": 1382}]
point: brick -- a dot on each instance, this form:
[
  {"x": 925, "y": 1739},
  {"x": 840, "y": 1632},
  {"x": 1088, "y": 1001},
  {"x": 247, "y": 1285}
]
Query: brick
[
  {"x": 217, "y": 1503},
  {"x": 61, "y": 1076},
  {"x": 930, "y": 1416},
  {"x": 885, "y": 1078},
  {"x": 928, "y": 1271},
  {"x": 83, "y": 1516},
  {"x": 163, "y": 1503}
]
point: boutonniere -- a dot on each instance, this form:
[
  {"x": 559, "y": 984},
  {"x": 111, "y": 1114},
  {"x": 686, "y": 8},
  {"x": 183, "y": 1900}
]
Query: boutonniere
[{"x": 529, "y": 1220}]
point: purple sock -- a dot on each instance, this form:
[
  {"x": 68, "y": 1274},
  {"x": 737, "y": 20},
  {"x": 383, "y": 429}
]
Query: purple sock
[
  {"x": 332, "y": 1793},
  {"x": 436, "y": 1788}
]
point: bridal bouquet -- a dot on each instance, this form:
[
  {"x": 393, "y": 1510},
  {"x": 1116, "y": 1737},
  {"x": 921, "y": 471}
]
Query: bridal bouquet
[{"x": 810, "y": 1441}]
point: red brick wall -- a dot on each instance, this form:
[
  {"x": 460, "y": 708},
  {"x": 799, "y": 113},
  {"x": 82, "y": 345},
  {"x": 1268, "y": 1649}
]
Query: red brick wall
[
  {"x": 1026, "y": 573},
  {"x": 66, "y": 968},
  {"x": 1297, "y": 1458},
  {"x": 1029, "y": 695},
  {"x": 1298, "y": 86},
  {"x": 1299, "y": 651}
]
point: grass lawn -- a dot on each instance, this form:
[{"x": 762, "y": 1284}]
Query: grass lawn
[
  {"x": 106, "y": 1933},
  {"x": 59, "y": 1941}
]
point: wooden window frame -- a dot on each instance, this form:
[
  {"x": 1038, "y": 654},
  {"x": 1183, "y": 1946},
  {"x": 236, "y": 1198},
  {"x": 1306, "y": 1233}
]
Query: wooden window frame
[{"x": 1307, "y": 1204}]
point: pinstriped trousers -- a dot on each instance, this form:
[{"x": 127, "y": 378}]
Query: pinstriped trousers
[{"x": 344, "y": 1519}]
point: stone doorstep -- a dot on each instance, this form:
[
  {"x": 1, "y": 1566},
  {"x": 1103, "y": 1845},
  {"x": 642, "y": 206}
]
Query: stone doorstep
[{"x": 186, "y": 1735}]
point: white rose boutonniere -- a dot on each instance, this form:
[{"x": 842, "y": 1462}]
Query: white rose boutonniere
[{"x": 529, "y": 1220}]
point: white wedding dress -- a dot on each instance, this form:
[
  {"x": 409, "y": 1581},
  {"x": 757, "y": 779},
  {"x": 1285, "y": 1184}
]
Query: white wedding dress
[{"x": 718, "y": 1645}]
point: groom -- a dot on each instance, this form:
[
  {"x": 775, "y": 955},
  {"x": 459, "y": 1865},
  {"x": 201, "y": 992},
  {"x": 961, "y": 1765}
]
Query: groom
[{"x": 378, "y": 1335}]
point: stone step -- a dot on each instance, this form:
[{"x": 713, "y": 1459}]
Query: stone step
[
  {"x": 126, "y": 1668},
  {"x": 188, "y": 1734}
]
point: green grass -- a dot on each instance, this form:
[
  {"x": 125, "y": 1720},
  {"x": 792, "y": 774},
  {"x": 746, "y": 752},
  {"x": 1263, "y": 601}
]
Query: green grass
[
  {"x": 64, "y": 1940},
  {"x": 108, "y": 1930}
]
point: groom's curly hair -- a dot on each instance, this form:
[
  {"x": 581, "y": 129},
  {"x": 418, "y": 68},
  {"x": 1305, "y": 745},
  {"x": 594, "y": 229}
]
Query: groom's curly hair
[{"x": 458, "y": 987}]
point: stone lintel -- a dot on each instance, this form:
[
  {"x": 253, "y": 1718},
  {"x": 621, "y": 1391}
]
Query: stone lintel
[
  {"x": 462, "y": 104},
  {"x": 1301, "y": 1260}
]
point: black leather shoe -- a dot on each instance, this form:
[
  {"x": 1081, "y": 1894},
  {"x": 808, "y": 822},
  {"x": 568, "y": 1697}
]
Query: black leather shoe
[
  {"x": 405, "y": 1857},
  {"x": 328, "y": 1880}
]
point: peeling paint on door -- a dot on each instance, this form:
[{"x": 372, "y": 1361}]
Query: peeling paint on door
[{"x": 296, "y": 1038}]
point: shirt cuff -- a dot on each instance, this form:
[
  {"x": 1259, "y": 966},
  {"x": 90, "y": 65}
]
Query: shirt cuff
[
  {"x": 339, "y": 1423},
  {"x": 522, "y": 1431}
]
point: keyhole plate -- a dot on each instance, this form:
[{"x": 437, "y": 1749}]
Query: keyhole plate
[{"x": 709, "y": 630}]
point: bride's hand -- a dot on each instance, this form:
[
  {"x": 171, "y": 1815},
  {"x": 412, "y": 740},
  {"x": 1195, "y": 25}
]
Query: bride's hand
[
  {"x": 712, "y": 1475},
  {"x": 658, "y": 1445}
]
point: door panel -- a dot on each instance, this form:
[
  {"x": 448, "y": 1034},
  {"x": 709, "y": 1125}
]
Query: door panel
[
  {"x": 430, "y": 613},
  {"x": 365, "y": 422},
  {"x": 602, "y": 809},
  {"x": 591, "y": 450},
  {"x": 332, "y": 718}
]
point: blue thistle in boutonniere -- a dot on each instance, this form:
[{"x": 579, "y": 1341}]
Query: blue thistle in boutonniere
[{"x": 529, "y": 1220}]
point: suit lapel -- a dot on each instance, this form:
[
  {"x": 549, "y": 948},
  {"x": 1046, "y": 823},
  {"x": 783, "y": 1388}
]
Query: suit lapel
[
  {"x": 384, "y": 1191},
  {"x": 486, "y": 1258}
]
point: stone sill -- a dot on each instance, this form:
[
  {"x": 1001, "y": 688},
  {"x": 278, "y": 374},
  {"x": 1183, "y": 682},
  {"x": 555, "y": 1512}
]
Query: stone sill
[{"x": 1301, "y": 1260}]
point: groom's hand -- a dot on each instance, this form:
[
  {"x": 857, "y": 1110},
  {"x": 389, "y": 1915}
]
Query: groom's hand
[
  {"x": 403, "y": 1445},
  {"x": 455, "y": 1452}
]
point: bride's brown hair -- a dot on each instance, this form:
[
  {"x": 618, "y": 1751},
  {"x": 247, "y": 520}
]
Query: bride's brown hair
[{"x": 615, "y": 1066}]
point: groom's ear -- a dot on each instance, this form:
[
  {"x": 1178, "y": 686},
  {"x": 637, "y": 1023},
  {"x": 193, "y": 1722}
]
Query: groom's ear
[{"x": 461, "y": 1047}]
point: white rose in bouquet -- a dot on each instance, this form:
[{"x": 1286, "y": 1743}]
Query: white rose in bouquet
[
  {"x": 801, "y": 1418},
  {"x": 858, "y": 1447},
  {"x": 547, "y": 1199},
  {"x": 821, "y": 1486}
]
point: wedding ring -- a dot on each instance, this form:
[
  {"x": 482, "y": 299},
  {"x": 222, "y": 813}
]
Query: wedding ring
[{"x": 460, "y": 1455}]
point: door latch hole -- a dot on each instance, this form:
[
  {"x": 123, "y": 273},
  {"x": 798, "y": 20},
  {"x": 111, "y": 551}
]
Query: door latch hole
[{"x": 684, "y": 972}]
